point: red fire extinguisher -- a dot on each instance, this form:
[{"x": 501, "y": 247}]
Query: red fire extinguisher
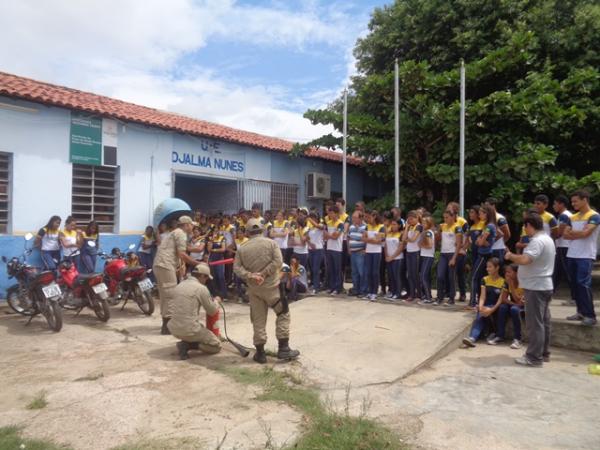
[{"x": 212, "y": 323}]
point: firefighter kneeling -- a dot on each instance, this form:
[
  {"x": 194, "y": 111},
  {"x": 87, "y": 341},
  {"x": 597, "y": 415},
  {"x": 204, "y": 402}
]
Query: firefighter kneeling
[{"x": 189, "y": 297}]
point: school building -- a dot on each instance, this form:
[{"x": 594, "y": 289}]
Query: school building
[{"x": 68, "y": 152}]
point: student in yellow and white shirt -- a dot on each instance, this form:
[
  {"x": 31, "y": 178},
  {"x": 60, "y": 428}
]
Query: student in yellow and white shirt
[
  {"x": 90, "y": 243},
  {"x": 540, "y": 204},
  {"x": 146, "y": 248},
  {"x": 240, "y": 239},
  {"x": 426, "y": 258},
  {"x": 70, "y": 240},
  {"x": 280, "y": 232},
  {"x": 394, "y": 254},
  {"x": 451, "y": 237},
  {"x": 334, "y": 234},
  {"x": 461, "y": 260},
  {"x": 316, "y": 252},
  {"x": 502, "y": 231},
  {"x": 582, "y": 231},
  {"x": 561, "y": 272},
  {"x": 48, "y": 241},
  {"x": 411, "y": 238},
  {"x": 374, "y": 237},
  {"x": 301, "y": 241}
]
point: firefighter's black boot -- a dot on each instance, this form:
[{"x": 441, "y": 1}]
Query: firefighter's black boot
[
  {"x": 259, "y": 355},
  {"x": 164, "y": 329},
  {"x": 285, "y": 352},
  {"x": 182, "y": 348}
]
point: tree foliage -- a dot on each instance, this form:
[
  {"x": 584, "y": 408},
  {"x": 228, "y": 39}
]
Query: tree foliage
[{"x": 533, "y": 98}]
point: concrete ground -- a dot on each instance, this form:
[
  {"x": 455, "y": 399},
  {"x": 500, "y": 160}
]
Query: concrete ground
[{"x": 387, "y": 354}]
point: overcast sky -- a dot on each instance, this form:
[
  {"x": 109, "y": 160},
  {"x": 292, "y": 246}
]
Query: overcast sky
[{"x": 254, "y": 65}]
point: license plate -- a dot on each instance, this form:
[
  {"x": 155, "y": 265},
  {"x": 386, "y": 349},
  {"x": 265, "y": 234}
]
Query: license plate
[
  {"x": 97, "y": 288},
  {"x": 145, "y": 284},
  {"x": 52, "y": 290}
]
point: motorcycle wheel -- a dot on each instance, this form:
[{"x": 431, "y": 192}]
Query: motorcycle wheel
[
  {"x": 144, "y": 300},
  {"x": 14, "y": 302},
  {"x": 53, "y": 314},
  {"x": 100, "y": 307}
]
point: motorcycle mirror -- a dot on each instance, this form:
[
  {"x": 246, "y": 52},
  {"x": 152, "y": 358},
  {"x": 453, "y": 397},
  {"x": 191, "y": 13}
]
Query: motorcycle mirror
[
  {"x": 91, "y": 244},
  {"x": 28, "y": 236},
  {"x": 4, "y": 259},
  {"x": 131, "y": 246}
]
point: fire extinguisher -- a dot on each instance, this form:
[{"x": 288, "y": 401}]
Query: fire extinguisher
[{"x": 212, "y": 323}]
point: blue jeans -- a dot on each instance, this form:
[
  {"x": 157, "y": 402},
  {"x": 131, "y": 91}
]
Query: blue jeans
[
  {"x": 87, "y": 263},
  {"x": 514, "y": 312},
  {"x": 49, "y": 259},
  {"x": 403, "y": 278},
  {"x": 425, "y": 276},
  {"x": 478, "y": 272},
  {"x": 218, "y": 272},
  {"x": 393, "y": 270},
  {"x": 315, "y": 261},
  {"x": 479, "y": 325},
  {"x": 561, "y": 270},
  {"x": 580, "y": 271},
  {"x": 445, "y": 277},
  {"x": 372, "y": 263},
  {"x": 359, "y": 280},
  {"x": 412, "y": 273},
  {"x": 334, "y": 270},
  {"x": 460, "y": 275}
]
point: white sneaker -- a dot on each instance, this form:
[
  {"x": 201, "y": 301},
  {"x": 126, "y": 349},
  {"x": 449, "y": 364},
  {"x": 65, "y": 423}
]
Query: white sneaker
[
  {"x": 373, "y": 297},
  {"x": 494, "y": 341},
  {"x": 516, "y": 344},
  {"x": 389, "y": 295}
]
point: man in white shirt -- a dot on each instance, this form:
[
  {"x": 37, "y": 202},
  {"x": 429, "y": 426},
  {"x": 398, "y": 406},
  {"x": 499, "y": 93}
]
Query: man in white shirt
[
  {"x": 582, "y": 231},
  {"x": 560, "y": 206},
  {"x": 535, "y": 277}
]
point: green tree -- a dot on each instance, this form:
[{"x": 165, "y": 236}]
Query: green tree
[{"x": 533, "y": 98}]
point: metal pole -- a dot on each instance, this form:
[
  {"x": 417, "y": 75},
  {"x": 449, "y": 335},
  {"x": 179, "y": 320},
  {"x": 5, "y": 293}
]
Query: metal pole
[
  {"x": 462, "y": 139},
  {"x": 397, "y": 133},
  {"x": 345, "y": 143}
]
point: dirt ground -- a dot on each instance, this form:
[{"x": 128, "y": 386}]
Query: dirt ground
[{"x": 119, "y": 382}]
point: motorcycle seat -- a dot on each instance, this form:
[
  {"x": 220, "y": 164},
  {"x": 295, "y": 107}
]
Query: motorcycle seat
[
  {"x": 81, "y": 279},
  {"x": 125, "y": 271}
]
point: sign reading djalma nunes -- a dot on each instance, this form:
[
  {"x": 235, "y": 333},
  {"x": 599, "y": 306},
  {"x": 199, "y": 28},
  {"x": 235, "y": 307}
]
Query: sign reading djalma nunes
[{"x": 208, "y": 162}]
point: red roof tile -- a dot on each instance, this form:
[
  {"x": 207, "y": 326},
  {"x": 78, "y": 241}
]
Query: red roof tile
[{"x": 50, "y": 94}]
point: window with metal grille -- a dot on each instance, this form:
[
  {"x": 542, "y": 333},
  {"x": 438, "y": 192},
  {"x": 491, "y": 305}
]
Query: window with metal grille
[
  {"x": 5, "y": 186},
  {"x": 284, "y": 196},
  {"x": 95, "y": 194}
]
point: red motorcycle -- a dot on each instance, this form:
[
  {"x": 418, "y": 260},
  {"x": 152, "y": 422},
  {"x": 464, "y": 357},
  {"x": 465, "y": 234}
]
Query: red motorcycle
[
  {"x": 83, "y": 290},
  {"x": 127, "y": 280}
]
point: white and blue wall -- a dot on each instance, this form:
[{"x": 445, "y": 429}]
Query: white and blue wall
[{"x": 38, "y": 137}]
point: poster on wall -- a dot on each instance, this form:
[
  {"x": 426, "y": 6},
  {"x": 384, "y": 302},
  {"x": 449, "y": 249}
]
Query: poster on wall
[{"x": 93, "y": 141}]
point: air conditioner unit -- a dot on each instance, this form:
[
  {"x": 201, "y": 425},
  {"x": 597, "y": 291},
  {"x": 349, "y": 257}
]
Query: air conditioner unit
[{"x": 318, "y": 185}]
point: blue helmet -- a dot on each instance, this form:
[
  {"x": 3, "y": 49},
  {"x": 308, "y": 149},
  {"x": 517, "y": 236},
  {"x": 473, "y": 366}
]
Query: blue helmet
[{"x": 168, "y": 209}]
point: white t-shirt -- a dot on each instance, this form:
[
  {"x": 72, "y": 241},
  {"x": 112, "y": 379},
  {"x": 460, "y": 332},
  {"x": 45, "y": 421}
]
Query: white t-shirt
[
  {"x": 332, "y": 227},
  {"x": 71, "y": 238},
  {"x": 299, "y": 247},
  {"x": 428, "y": 252},
  {"x": 373, "y": 231},
  {"x": 49, "y": 239},
  {"x": 412, "y": 231},
  {"x": 280, "y": 227},
  {"x": 564, "y": 219},
  {"x": 392, "y": 242},
  {"x": 537, "y": 276},
  {"x": 315, "y": 235},
  {"x": 584, "y": 248},
  {"x": 500, "y": 222},
  {"x": 449, "y": 233}
]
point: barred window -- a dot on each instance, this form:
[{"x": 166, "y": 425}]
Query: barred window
[
  {"x": 5, "y": 187},
  {"x": 95, "y": 195},
  {"x": 284, "y": 196}
]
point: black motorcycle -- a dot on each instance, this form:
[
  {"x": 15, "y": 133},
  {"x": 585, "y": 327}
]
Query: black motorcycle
[{"x": 36, "y": 291}]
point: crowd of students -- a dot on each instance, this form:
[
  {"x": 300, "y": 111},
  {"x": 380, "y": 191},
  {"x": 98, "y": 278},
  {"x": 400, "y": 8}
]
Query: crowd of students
[{"x": 385, "y": 254}]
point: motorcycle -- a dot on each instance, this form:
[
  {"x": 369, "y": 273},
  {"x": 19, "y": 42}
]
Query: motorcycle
[
  {"x": 83, "y": 290},
  {"x": 126, "y": 280},
  {"x": 36, "y": 291}
]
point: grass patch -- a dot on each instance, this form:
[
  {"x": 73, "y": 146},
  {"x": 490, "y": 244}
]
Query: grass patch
[
  {"x": 326, "y": 428},
  {"x": 38, "y": 402},
  {"x": 10, "y": 439},
  {"x": 90, "y": 377},
  {"x": 162, "y": 444}
]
